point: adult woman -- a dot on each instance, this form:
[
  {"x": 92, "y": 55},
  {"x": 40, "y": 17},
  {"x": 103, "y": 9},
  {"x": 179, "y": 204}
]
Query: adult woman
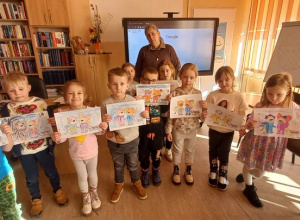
[{"x": 151, "y": 55}]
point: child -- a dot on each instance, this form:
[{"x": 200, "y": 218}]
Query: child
[
  {"x": 123, "y": 143},
  {"x": 220, "y": 139},
  {"x": 166, "y": 71},
  {"x": 129, "y": 69},
  {"x": 8, "y": 204},
  {"x": 183, "y": 130},
  {"x": 83, "y": 151},
  {"x": 152, "y": 135},
  {"x": 261, "y": 153},
  {"x": 17, "y": 87}
]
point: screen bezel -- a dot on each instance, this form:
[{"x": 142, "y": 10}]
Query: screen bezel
[{"x": 125, "y": 22}]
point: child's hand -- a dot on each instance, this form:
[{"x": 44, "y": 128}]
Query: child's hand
[
  {"x": 107, "y": 118},
  {"x": 169, "y": 97},
  {"x": 203, "y": 104},
  {"x": 203, "y": 115},
  {"x": 103, "y": 125},
  {"x": 251, "y": 123},
  {"x": 138, "y": 97},
  {"x": 169, "y": 136},
  {"x": 6, "y": 129},
  {"x": 56, "y": 137},
  {"x": 52, "y": 121},
  {"x": 242, "y": 131},
  {"x": 145, "y": 114}
]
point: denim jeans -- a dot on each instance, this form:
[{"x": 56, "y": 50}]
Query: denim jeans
[
  {"x": 30, "y": 165},
  {"x": 125, "y": 154}
]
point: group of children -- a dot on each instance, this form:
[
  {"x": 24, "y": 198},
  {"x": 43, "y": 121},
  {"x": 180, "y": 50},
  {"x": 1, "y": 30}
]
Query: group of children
[{"x": 135, "y": 146}]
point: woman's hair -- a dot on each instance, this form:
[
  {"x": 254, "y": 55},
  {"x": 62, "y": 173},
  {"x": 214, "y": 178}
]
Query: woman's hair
[
  {"x": 189, "y": 66},
  {"x": 87, "y": 100},
  {"x": 167, "y": 63},
  {"x": 14, "y": 77},
  {"x": 228, "y": 71},
  {"x": 152, "y": 26},
  {"x": 282, "y": 80},
  {"x": 127, "y": 65}
]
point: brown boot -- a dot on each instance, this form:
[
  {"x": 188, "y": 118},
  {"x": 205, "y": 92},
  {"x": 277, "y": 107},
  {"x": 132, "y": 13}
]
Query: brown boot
[
  {"x": 115, "y": 196},
  {"x": 37, "y": 208},
  {"x": 139, "y": 189},
  {"x": 189, "y": 179},
  {"x": 61, "y": 197}
]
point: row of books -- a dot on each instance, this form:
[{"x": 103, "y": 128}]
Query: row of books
[
  {"x": 12, "y": 11},
  {"x": 14, "y": 31},
  {"x": 25, "y": 66},
  {"x": 52, "y": 39},
  {"x": 58, "y": 76},
  {"x": 56, "y": 58},
  {"x": 53, "y": 92},
  {"x": 15, "y": 49}
]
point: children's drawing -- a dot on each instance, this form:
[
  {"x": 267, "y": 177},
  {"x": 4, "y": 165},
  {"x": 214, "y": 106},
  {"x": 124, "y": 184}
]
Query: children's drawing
[
  {"x": 154, "y": 93},
  {"x": 29, "y": 127},
  {"x": 3, "y": 138},
  {"x": 221, "y": 117},
  {"x": 277, "y": 122},
  {"x": 78, "y": 122},
  {"x": 173, "y": 83},
  {"x": 185, "y": 106},
  {"x": 126, "y": 114}
]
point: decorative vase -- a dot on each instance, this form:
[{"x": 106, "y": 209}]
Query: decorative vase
[{"x": 97, "y": 47}]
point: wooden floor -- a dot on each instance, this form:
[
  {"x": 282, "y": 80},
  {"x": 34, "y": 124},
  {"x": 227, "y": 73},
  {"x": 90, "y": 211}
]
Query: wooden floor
[{"x": 280, "y": 193}]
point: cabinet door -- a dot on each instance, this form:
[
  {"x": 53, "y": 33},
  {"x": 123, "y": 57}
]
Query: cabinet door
[
  {"x": 101, "y": 69},
  {"x": 58, "y": 12},
  {"x": 37, "y": 12},
  {"x": 85, "y": 74}
]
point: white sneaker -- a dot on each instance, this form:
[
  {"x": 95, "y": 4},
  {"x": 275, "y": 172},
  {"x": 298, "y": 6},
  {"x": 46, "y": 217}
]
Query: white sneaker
[
  {"x": 169, "y": 154},
  {"x": 96, "y": 202},
  {"x": 87, "y": 207}
]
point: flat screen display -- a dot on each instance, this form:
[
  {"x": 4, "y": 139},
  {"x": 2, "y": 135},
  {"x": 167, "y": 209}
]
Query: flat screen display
[{"x": 193, "y": 39}]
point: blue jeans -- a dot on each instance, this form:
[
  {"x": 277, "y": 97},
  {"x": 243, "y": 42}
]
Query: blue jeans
[
  {"x": 30, "y": 165},
  {"x": 125, "y": 154}
]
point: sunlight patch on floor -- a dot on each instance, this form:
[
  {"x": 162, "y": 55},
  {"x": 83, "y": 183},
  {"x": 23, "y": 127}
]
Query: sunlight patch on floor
[{"x": 273, "y": 203}]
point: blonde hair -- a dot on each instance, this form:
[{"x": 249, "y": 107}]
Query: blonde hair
[
  {"x": 282, "y": 80},
  {"x": 127, "y": 65},
  {"x": 87, "y": 100},
  {"x": 150, "y": 70},
  {"x": 189, "y": 66},
  {"x": 228, "y": 71},
  {"x": 154, "y": 27},
  {"x": 116, "y": 72},
  {"x": 167, "y": 63},
  {"x": 14, "y": 77}
]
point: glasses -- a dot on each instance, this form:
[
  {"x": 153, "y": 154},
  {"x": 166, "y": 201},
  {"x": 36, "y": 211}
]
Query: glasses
[{"x": 150, "y": 80}]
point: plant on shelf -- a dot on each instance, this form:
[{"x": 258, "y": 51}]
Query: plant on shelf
[{"x": 96, "y": 30}]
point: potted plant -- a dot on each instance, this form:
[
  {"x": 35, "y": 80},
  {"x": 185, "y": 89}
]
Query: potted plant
[{"x": 96, "y": 30}]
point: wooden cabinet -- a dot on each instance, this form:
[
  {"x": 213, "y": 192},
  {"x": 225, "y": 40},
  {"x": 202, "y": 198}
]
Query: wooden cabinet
[
  {"x": 91, "y": 70},
  {"x": 47, "y": 12}
]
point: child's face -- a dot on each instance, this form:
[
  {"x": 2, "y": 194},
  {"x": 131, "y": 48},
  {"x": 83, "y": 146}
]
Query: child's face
[
  {"x": 277, "y": 94},
  {"x": 18, "y": 92},
  {"x": 165, "y": 73},
  {"x": 130, "y": 72},
  {"x": 225, "y": 83},
  {"x": 118, "y": 86},
  {"x": 75, "y": 97},
  {"x": 188, "y": 78},
  {"x": 149, "y": 78}
]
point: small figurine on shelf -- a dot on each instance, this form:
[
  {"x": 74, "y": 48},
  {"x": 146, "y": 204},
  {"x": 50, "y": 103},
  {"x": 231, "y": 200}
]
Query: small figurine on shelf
[{"x": 79, "y": 46}]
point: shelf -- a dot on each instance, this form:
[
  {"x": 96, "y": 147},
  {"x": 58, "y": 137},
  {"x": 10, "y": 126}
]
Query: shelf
[
  {"x": 55, "y": 85},
  {"x": 53, "y": 48},
  {"x": 27, "y": 74},
  {"x": 50, "y": 26},
  {"x": 13, "y": 20},
  {"x": 14, "y": 58},
  {"x": 15, "y": 39},
  {"x": 58, "y": 67}
]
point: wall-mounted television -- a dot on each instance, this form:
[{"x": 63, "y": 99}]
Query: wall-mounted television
[{"x": 193, "y": 39}]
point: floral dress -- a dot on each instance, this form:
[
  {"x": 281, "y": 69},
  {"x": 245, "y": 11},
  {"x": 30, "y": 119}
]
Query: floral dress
[{"x": 261, "y": 152}]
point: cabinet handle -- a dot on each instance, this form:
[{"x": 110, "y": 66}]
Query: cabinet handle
[
  {"x": 95, "y": 61},
  {"x": 50, "y": 16},
  {"x": 90, "y": 62}
]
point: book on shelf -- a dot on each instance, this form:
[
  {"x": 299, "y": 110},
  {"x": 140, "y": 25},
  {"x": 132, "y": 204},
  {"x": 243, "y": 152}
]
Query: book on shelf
[
  {"x": 14, "y": 31},
  {"x": 58, "y": 77},
  {"x": 52, "y": 39},
  {"x": 25, "y": 66},
  {"x": 12, "y": 10}
]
